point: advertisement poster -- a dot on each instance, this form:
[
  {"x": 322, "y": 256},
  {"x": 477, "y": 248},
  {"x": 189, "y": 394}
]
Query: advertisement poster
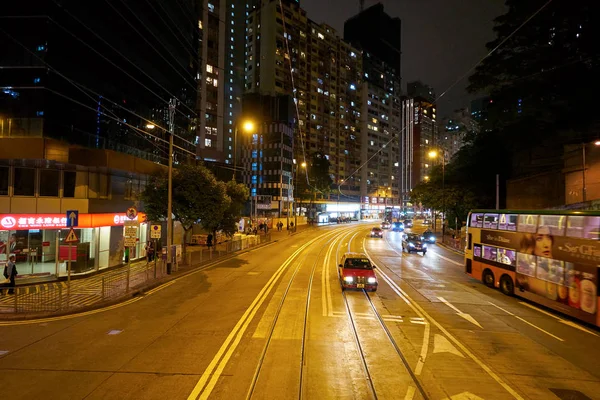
[{"x": 561, "y": 270}]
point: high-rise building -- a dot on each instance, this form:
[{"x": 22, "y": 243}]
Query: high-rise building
[
  {"x": 419, "y": 134},
  {"x": 327, "y": 84},
  {"x": 380, "y": 181},
  {"x": 453, "y": 130},
  {"x": 84, "y": 119},
  {"x": 221, "y": 78}
]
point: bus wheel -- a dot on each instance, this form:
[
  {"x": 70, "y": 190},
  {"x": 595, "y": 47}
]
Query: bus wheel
[
  {"x": 488, "y": 278},
  {"x": 507, "y": 286}
]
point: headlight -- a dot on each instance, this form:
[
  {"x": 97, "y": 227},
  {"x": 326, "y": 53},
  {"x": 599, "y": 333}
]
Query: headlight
[
  {"x": 372, "y": 280},
  {"x": 424, "y": 246},
  {"x": 411, "y": 245},
  {"x": 348, "y": 279}
]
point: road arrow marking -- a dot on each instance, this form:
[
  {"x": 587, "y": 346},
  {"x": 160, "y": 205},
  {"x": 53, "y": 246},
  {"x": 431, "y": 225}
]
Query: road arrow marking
[
  {"x": 442, "y": 345},
  {"x": 464, "y": 396},
  {"x": 562, "y": 321},
  {"x": 460, "y": 313}
]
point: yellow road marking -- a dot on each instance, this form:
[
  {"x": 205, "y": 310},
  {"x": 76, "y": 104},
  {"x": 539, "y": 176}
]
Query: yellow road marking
[{"x": 216, "y": 366}]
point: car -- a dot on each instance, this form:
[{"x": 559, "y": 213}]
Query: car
[
  {"x": 408, "y": 223},
  {"x": 376, "y": 232},
  {"x": 428, "y": 237},
  {"x": 397, "y": 227},
  {"x": 356, "y": 272},
  {"x": 385, "y": 225},
  {"x": 413, "y": 243},
  {"x": 426, "y": 222}
]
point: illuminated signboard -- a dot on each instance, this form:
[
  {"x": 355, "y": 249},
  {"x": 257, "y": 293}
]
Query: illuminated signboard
[{"x": 59, "y": 221}]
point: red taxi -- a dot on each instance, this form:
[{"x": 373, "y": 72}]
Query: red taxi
[{"x": 356, "y": 272}]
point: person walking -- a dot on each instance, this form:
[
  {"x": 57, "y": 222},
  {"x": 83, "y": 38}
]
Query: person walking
[
  {"x": 150, "y": 251},
  {"x": 10, "y": 273}
]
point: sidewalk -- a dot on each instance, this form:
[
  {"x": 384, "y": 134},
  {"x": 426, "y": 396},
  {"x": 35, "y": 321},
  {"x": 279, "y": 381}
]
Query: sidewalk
[{"x": 117, "y": 284}]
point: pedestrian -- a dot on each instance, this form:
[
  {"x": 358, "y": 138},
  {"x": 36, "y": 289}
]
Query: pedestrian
[
  {"x": 126, "y": 255},
  {"x": 150, "y": 251},
  {"x": 209, "y": 240},
  {"x": 10, "y": 273}
]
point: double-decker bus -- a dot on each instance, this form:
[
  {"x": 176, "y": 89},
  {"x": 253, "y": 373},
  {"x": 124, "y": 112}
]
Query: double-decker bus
[{"x": 549, "y": 257}]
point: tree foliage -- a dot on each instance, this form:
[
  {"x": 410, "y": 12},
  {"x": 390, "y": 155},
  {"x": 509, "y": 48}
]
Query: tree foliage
[
  {"x": 198, "y": 197},
  {"x": 315, "y": 178}
]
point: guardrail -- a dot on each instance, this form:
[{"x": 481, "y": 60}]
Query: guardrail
[
  {"x": 63, "y": 297},
  {"x": 455, "y": 243}
]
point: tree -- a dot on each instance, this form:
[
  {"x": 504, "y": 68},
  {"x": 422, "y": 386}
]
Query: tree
[
  {"x": 197, "y": 197},
  {"x": 238, "y": 194}
]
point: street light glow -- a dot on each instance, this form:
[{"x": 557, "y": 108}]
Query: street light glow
[
  {"x": 426, "y": 177},
  {"x": 433, "y": 154},
  {"x": 150, "y": 126},
  {"x": 248, "y": 126},
  {"x": 597, "y": 142},
  {"x": 303, "y": 165}
]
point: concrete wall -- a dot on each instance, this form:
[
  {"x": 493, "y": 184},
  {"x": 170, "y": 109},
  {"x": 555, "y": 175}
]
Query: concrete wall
[{"x": 536, "y": 192}]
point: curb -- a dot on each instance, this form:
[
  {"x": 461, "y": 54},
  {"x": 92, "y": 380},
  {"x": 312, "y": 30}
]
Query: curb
[
  {"x": 445, "y": 246},
  {"x": 12, "y": 317}
]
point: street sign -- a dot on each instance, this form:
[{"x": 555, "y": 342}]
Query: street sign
[
  {"x": 130, "y": 242},
  {"x": 131, "y": 231},
  {"x": 71, "y": 237},
  {"x": 72, "y": 218},
  {"x": 155, "y": 232},
  {"x": 131, "y": 213}
]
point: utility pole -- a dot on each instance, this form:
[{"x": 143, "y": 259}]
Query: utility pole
[{"x": 172, "y": 105}]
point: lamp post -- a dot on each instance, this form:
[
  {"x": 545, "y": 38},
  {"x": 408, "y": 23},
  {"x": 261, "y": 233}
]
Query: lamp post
[
  {"x": 303, "y": 165},
  {"x": 435, "y": 154},
  {"x": 248, "y": 127}
]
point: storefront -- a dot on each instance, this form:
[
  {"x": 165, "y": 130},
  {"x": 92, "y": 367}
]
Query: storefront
[{"x": 37, "y": 241}]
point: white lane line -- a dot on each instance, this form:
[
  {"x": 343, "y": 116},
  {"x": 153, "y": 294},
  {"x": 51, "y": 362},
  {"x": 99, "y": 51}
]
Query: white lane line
[
  {"x": 447, "y": 259},
  {"x": 562, "y": 321},
  {"x": 527, "y": 322},
  {"x": 461, "y": 346}
]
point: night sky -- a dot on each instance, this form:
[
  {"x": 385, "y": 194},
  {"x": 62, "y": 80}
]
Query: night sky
[{"x": 441, "y": 39}]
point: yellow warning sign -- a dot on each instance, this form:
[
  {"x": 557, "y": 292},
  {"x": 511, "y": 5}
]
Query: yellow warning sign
[{"x": 71, "y": 237}]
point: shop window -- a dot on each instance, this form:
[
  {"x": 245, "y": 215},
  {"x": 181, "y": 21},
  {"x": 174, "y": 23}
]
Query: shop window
[
  {"x": 24, "y": 184},
  {"x": 4, "y": 174},
  {"x": 49, "y": 182},
  {"x": 69, "y": 183}
]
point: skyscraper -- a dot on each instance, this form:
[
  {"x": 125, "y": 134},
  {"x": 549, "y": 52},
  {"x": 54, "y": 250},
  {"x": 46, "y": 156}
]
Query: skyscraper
[
  {"x": 380, "y": 45},
  {"x": 327, "y": 76}
]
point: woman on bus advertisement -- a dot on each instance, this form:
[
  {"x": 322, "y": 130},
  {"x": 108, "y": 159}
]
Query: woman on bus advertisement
[{"x": 539, "y": 273}]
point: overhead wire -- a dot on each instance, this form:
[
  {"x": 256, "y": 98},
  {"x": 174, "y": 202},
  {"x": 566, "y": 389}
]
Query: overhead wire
[
  {"x": 123, "y": 56},
  {"x": 82, "y": 87},
  {"x": 452, "y": 86},
  {"x": 150, "y": 44},
  {"x": 194, "y": 23}
]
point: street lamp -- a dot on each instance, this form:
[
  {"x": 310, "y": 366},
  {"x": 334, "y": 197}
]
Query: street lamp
[
  {"x": 434, "y": 154},
  {"x": 303, "y": 165},
  {"x": 248, "y": 126}
]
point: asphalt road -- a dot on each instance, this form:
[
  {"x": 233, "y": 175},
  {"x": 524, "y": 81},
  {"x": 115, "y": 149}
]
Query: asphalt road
[{"x": 274, "y": 324}]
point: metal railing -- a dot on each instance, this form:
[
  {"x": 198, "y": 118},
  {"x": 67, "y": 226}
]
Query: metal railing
[{"x": 61, "y": 297}]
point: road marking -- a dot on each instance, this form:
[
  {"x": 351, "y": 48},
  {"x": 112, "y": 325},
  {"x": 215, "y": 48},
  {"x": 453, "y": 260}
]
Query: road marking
[
  {"x": 442, "y": 345},
  {"x": 161, "y": 287},
  {"x": 527, "y": 322},
  {"x": 447, "y": 259},
  {"x": 3, "y": 352},
  {"x": 410, "y": 393},
  {"x": 464, "y": 396},
  {"x": 562, "y": 321},
  {"x": 204, "y": 386},
  {"x": 460, "y": 313},
  {"x": 462, "y": 347}
]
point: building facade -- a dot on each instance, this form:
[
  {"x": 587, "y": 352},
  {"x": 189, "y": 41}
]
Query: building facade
[
  {"x": 327, "y": 85},
  {"x": 380, "y": 177},
  {"x": 84, "y": 120}
]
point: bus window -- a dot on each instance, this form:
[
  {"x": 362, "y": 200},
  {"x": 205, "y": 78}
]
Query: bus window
[
  {"x": 490, "y": 221},
  {"x": 508, "y": 222},
  {"x": 490, "y": 253},
  {"x": 527, "y": 223},
  {"x": 552, "y": 225},
  {"x": 476, "y": 220},
  {"x": 526, "y": 264},
  {"x": 579, "y": 226}
]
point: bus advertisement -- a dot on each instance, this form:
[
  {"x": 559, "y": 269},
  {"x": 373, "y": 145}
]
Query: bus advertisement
[{"x": 549, "y": 257}]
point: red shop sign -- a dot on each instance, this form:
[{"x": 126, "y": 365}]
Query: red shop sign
[{"x": 59, "y": 221}]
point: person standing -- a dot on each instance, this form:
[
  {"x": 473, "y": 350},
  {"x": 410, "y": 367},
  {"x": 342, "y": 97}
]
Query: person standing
[
  {"x": 150, "y": 251},
  {"x": 10, "y": 273}
]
